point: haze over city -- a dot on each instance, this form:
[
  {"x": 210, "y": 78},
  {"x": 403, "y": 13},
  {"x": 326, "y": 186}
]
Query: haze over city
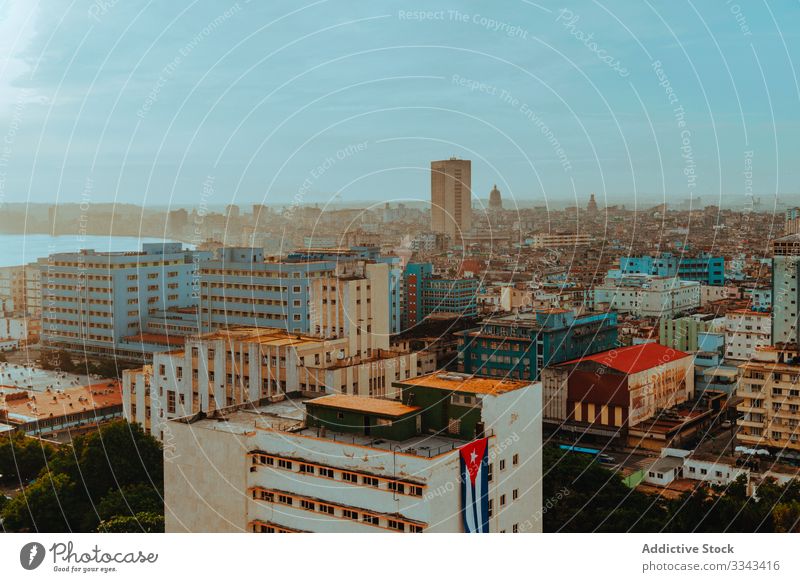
[{"x": 140, "y": 104}]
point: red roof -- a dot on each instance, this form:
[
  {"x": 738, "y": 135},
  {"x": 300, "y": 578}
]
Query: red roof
[{"x": 634, "y": 359}]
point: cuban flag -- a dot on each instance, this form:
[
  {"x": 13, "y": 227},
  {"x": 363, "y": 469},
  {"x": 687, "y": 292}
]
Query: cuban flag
[{"x": 475, "y": 486}]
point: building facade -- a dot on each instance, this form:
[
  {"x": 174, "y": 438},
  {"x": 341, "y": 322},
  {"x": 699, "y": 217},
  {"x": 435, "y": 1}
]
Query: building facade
[
  {"x": 745, "y": 331},
  {"x": 704, "y": 267},
  {"x": 647, "y": 295},
  {"x": 612, "y": 391},
  {"x": 770, "y": 406},
  {"x": 451, "y": 197},
  {"x": 520, "y": 346},
  {"x": 426, "y": 294},
  {"x": 92, "y": 302},
  {"x": 240, "y": 365},
  {"x": 239, "y": 287},
  {"x": 785, "y": 289},
  {"x": 357, "y": 464}
]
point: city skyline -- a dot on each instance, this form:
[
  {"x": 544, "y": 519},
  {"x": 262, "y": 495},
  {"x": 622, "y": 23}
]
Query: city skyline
[{"x": 549, "y": 102}]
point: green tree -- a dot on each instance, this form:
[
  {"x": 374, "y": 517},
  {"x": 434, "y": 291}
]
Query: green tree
[
  {"x": 786, "y": 517},
  {"x": 130, "y": 500},
  {"x": 116, "y": 455},
  {"x": 593, "y": 498},
  {"x": 46, "y": 506},
  {"x": 22, "y": 457},
  {"x": 141, "y": 522}
]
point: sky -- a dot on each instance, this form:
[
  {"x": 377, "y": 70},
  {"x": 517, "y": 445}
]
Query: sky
[{"x": 218, "y": 102}]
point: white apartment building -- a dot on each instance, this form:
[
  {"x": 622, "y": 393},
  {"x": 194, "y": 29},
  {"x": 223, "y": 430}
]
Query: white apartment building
[
  {"x": 357, "y": 464},
  {"x": 555, "y": 240},
  {"x": 353, "y": 304},
  {"x": 745, "y": 331},
  {"x": 240, "y": 365},
  {"x": 785, "y": 290},
  {"x": 647, "y": 295},
  {"x": 770, "y": 406}
]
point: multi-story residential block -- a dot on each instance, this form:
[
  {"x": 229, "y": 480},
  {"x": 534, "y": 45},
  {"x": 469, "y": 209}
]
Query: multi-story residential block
[
  {"x": 646, "y": 295},
  {"x": 609, "y": 392},
  {"x": 426, "y": 294},
  {"x": 353, "y": 303},
  {"x": 769, "y": 386},
  {"x": 239, "y": 287},
  {"x": 746, "y": 330},
  {"x": 704, "y": 267},
  {"x": 341, "y": 463},
  {"x": 785, "y": 289},
  {"x": 451, "y": 197},
  {"x": 240, "y": 365},
  {"x": 683, "y": 333},
  {"x": 520, "y": 346},
  {"x": 93, "y": 302},
  {"x": 361, "y": 254},
  {"x": 557, "y": 240},
  {"x": 20, "y": 290}
]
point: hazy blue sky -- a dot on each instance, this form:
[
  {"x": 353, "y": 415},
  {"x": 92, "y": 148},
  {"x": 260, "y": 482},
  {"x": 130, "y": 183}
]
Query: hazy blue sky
[{"x": 142, "y": 102}]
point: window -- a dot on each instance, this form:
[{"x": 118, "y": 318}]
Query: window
[
  {"x": 415, "y": 490},
  {"x": 266, "y": 496},
  {"x": 350, "y": 514},
  {"x": 284, "y": 464},
  {"x": 490, "y": 474},
  {"x": 415, "y": 528},
  {"x": 325, "y": 472},
  {"x": 514, "y": 494},
  {"x": 515, "y": 528},
  {"x": 397, "y": 487},
  {"x": 351, "y": 477},
  {"x": 325, "y": 508},
  {"x": 370, "y": 481},
  {"x": 306, "y": 504},
  {"x": 371, "y": 519},
  {"x": 285, "y": 499},
  {"x": 306, "y": 468},
  {"x": 502, "y": 501},
  {"x": 394, "y": 524},
  {"x": 491, "y": 507},
  {"x": 515, "y": 459},
  {"x": 502, "y": 464}
]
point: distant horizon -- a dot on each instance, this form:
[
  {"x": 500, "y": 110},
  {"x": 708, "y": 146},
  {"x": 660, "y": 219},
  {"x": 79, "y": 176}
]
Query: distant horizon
[{"x": 732, "y": 201}]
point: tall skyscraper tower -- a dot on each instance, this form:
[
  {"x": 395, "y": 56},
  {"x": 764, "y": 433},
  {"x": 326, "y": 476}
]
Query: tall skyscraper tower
[
  {"x": 451, "y": 197},
  {"x": 785, "y": 289}
]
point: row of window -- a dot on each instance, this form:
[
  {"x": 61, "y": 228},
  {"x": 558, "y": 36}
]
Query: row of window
[
  {"x": 354, "y": 514},
  {"x": 355, "y": 478}
]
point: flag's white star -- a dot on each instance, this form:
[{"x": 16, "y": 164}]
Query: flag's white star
[{"x": 473, "y": 457}]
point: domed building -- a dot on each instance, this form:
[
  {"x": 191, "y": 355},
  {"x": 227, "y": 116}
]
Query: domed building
[{"x": 495, "y": 200}]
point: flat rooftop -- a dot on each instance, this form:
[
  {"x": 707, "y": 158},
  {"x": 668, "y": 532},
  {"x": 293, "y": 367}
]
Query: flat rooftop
[
  {"x": 263, "y": 335},
  {"x": 20, "y": 377},
  {"x": 25, "y": 407},
  {"x": 289, "y": 416},
  {"x": 378, "y": 406},
  {"x": 465, "y": 383}
]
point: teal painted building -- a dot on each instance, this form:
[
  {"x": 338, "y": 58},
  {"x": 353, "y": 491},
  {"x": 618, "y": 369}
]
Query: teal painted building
[{"x": 520, "y": 346}]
